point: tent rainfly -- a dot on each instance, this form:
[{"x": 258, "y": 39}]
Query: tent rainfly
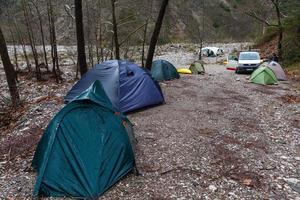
[
  {"x": 264, "y": 76},
  {"x": 85, "y": 149},
  {"x": 163, "y": 70},
  {"x": 277, "y": 69},
  {"x": 128, "y": 86},
  {"x": 197, "y": 68}
]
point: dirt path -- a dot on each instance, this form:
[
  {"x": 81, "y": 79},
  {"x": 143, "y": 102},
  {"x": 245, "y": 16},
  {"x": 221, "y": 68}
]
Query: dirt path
[{"x": 217, "y": 137}]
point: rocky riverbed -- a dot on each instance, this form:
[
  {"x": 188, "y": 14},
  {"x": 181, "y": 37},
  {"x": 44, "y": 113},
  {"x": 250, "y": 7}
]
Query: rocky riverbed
[{"x": 216, "y": 137}]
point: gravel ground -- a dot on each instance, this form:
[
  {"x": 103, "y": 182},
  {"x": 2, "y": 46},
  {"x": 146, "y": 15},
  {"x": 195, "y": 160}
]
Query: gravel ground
[{"x": 217, "y": 137}]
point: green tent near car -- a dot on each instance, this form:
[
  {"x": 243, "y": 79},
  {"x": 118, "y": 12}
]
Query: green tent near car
[
  {"x": 86, "y": 148},
  {"x": 197, "y": 68},
  {"x": 163, "y": 70},
  {"x": 263, "y": 76}
]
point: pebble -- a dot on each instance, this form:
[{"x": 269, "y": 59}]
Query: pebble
[
  {"x": 212, "y": 188},
  {"x": 291, "y": 180}
]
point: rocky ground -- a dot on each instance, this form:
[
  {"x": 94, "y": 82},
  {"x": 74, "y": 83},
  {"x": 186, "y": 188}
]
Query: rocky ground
[{"x": 217, "y": 137}]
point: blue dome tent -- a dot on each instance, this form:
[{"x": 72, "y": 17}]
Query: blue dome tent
[{"x": 128, "y": 86}]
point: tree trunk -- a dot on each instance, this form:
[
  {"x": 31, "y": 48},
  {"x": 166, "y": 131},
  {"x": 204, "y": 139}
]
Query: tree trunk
[
  {"x": 144, "y": 42},
  {"x": 49, "y": 12},
  {"x": 21, "y": 41},
  {"x": 97, "y": 43},
  {"x": 115, "y": 29},
  {"x": 98, "y": 33},
  {"x": 279, "y": 45},
  {"x": 9, "y": 71},
  {"x": 149, "y": 8},
  {"x": 15, "y": 52},
  {"x": 112, "y": 48},
  {"x": 201, "y": 46},
  {"x": 42, "y": 34},
  {"x": 89, "y": 38},
  {"x": 201, "y": 32},
  {"x": 80, "y": 37},
  {"x": 155, "y": 34},
  {"x": 31, "y": 41},
  {"x": 54, "y": 54}
]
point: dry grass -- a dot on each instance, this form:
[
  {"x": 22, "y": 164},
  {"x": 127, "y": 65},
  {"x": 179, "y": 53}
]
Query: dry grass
[{"x": 293, "y": 72}]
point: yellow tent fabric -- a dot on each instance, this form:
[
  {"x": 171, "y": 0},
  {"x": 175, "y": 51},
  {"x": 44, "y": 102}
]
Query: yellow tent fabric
[{"x": 184, "y": 71}]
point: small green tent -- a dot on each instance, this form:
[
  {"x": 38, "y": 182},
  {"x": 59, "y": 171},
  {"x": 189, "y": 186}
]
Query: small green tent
[
  {"x": 84, "y": 150},
  {"x": 163, "y": 70},
  {"x": 197, "y": 68},
  {"x": 264, "y": 76}
]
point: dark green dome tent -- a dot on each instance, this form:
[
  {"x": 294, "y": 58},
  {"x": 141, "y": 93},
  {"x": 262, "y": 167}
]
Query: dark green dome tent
[
  {"x": 197, "y": 68},
  {"x": 84, "y": 150},
  {"x": 163, "y": 70}
]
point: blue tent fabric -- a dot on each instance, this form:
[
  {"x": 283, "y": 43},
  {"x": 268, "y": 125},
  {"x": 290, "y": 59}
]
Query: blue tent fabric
[
  {"x": 128, "y": 86},
  {"x": 85, "y": 149}
]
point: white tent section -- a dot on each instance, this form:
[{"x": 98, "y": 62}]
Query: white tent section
[
  {"x": 217, "y": 51},
  {"x": 277, "y": 69}
]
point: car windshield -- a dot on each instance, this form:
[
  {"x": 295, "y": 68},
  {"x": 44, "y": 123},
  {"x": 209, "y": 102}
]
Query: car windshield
[{"x": 249, "y": 56}]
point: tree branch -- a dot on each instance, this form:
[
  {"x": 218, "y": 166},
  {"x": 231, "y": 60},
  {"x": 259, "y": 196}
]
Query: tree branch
[
  {"x": 68, "y": 11},
  {"x": 130, "y": 34},
  {"x": 124, "y": 19},
  {"x": 255, "y": 16}
]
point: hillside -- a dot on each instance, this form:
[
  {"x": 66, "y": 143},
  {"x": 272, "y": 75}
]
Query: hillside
[{"x": 184, "y": 19}]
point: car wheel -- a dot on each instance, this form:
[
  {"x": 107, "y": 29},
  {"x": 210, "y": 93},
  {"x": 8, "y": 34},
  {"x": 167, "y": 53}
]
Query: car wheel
[{"x": 237, "y": 71}]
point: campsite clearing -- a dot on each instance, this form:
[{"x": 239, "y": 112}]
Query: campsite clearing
[{"x": 217, "y": 136}]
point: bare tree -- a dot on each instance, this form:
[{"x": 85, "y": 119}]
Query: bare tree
[
  {"x": 144, "y": 42},
  {"x": 145, "y": 6},
  {"x": 80, "y": 37},
  {"x": 89, "y": 34},
  {"x": 201, "y": 32},
  {"x": 42, "y": 33},
  {"x": 261, "y": 18},
  {"x": 14, "y": 41},
  {"x": 155, "y": 34},
  {"x": 31, "y": 39},
  {"x": 98, "y": 33},
  {"x": 22, "y": 42},
  {"x": 9, "y": 71},
  {"x": 15, "y": 50},
  {"x": 115, "y": 29},
  {"x": 276, "y": 4},
  {"x": 53, "y": 42}
]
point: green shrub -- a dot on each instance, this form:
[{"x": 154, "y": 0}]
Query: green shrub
[
  {"x": 224, "y": 7},
  {"x": 291, "y": 40}
]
